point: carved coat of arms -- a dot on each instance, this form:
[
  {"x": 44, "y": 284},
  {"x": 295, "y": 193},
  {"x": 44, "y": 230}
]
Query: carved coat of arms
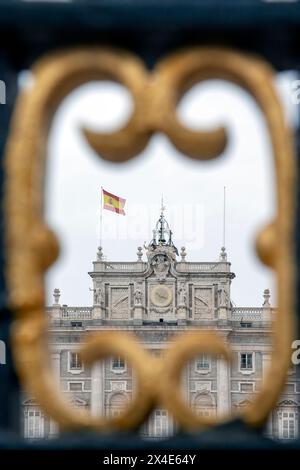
[{"x": 160, "y": 264}]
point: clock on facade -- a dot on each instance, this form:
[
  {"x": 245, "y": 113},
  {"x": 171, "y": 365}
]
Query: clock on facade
[{"x": 161, "y": 296}]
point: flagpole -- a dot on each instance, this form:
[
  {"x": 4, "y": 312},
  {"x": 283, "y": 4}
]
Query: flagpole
[
  {"x": 101, "y": 214},
  {"x": 224, "y": 215}
]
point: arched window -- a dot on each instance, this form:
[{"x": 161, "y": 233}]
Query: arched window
[
  {"x": 161, "y": 423},
  {"x": 287, "y": 414},
  {"x": 33, "y": 422},
  {"x": 204, "y": 405},
  {"x": 117, "y": 404}
]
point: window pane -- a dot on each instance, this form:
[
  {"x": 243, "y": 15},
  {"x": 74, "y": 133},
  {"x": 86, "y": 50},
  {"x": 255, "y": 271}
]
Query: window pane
[
  {"x": 246, "y": 361},
  {"x": 75, "y": 361},
  {"x": 202, "y": 362},
  {"x": 118, "y": 363}
]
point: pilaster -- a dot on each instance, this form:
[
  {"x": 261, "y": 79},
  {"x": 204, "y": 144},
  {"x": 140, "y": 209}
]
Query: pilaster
[
  {"x": 223, "y": 398},
  {"x": 98, "y": 312},
  {"x": 138, "y": 314},
  {"x": 97, "y": 395},
  {"x": 55, "y": 360},
  {"x": 181, "y": 314}
]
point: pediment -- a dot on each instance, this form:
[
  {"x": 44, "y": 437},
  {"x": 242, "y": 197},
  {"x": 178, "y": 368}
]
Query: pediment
[
  {"x": 287, "y": 403},
  {"x": 30, "y": 402}
]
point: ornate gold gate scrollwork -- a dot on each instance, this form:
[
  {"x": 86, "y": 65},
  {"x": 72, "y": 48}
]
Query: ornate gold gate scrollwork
[{"x": 32, "y": 247}]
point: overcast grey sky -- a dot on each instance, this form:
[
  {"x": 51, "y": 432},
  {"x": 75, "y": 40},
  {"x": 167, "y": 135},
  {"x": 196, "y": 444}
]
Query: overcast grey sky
[{"x": 193, "y": 191}]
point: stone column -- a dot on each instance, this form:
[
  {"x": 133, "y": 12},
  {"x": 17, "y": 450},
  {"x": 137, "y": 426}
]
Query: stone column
[
  {"x": 55, "y": 360},
  {"x": 266, "y": 363},
  {"x": 97, "y": 395},
  {"x": 223, "y": 399}
]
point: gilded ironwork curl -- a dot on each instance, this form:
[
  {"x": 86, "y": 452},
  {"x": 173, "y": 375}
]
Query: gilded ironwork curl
[{"x": 32, "y": 246}]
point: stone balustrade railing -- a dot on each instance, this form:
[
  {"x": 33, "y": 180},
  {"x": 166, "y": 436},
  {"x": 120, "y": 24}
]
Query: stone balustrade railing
[
  {"x": 247, "y": 314},
  {"x": 140, "y": 266},
  {"x": 71, "y": 313},
  {"x": 184, "y": 267},
  {"x": 78, "y": 313},
  {"x": 238, "y": 314},
  {"x": 131, "y": 266}
]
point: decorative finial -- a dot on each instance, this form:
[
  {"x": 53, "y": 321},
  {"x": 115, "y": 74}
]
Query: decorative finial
[
  {"x": 139, "y": 253},
  {"x": 56, "y": 295},
  {"x": 223, "y": 254},
  {"x": 99, "y": 254},
  {"x": 183, "y": 254},
  {"x": 266, "y": 298}
]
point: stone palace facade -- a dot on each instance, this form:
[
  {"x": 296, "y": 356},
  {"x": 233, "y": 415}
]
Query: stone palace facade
[{"x": 155, "y": 299}]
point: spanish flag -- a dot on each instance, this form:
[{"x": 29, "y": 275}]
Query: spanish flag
[{"x": 113, "y": 203}]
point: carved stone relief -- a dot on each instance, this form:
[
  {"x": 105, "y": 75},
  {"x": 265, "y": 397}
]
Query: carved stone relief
[
  {"x": 161, "y": 265},
  {"x": 202, "y": 302},
  {"x": 119, "y": 302},
  {"x": 118, "y": 385},
  {"x": 202, "y": 386}
]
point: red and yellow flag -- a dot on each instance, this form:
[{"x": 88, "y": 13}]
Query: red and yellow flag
[{"x": 113, "y": 203}]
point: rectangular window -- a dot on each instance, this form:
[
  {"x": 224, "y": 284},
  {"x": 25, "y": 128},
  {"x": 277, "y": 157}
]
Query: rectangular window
[
  {"x": 75, "y": 361},
  {"x": 118, "y": 363},
  {"x": 246, "y": 361},
  {"x": 75, "y": 386},
  {"x": 202, "y": 362}
]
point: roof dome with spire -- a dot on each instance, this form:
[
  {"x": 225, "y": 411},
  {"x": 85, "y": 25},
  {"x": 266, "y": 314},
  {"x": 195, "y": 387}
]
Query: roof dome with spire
[{"x": 162, "y": 236}]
